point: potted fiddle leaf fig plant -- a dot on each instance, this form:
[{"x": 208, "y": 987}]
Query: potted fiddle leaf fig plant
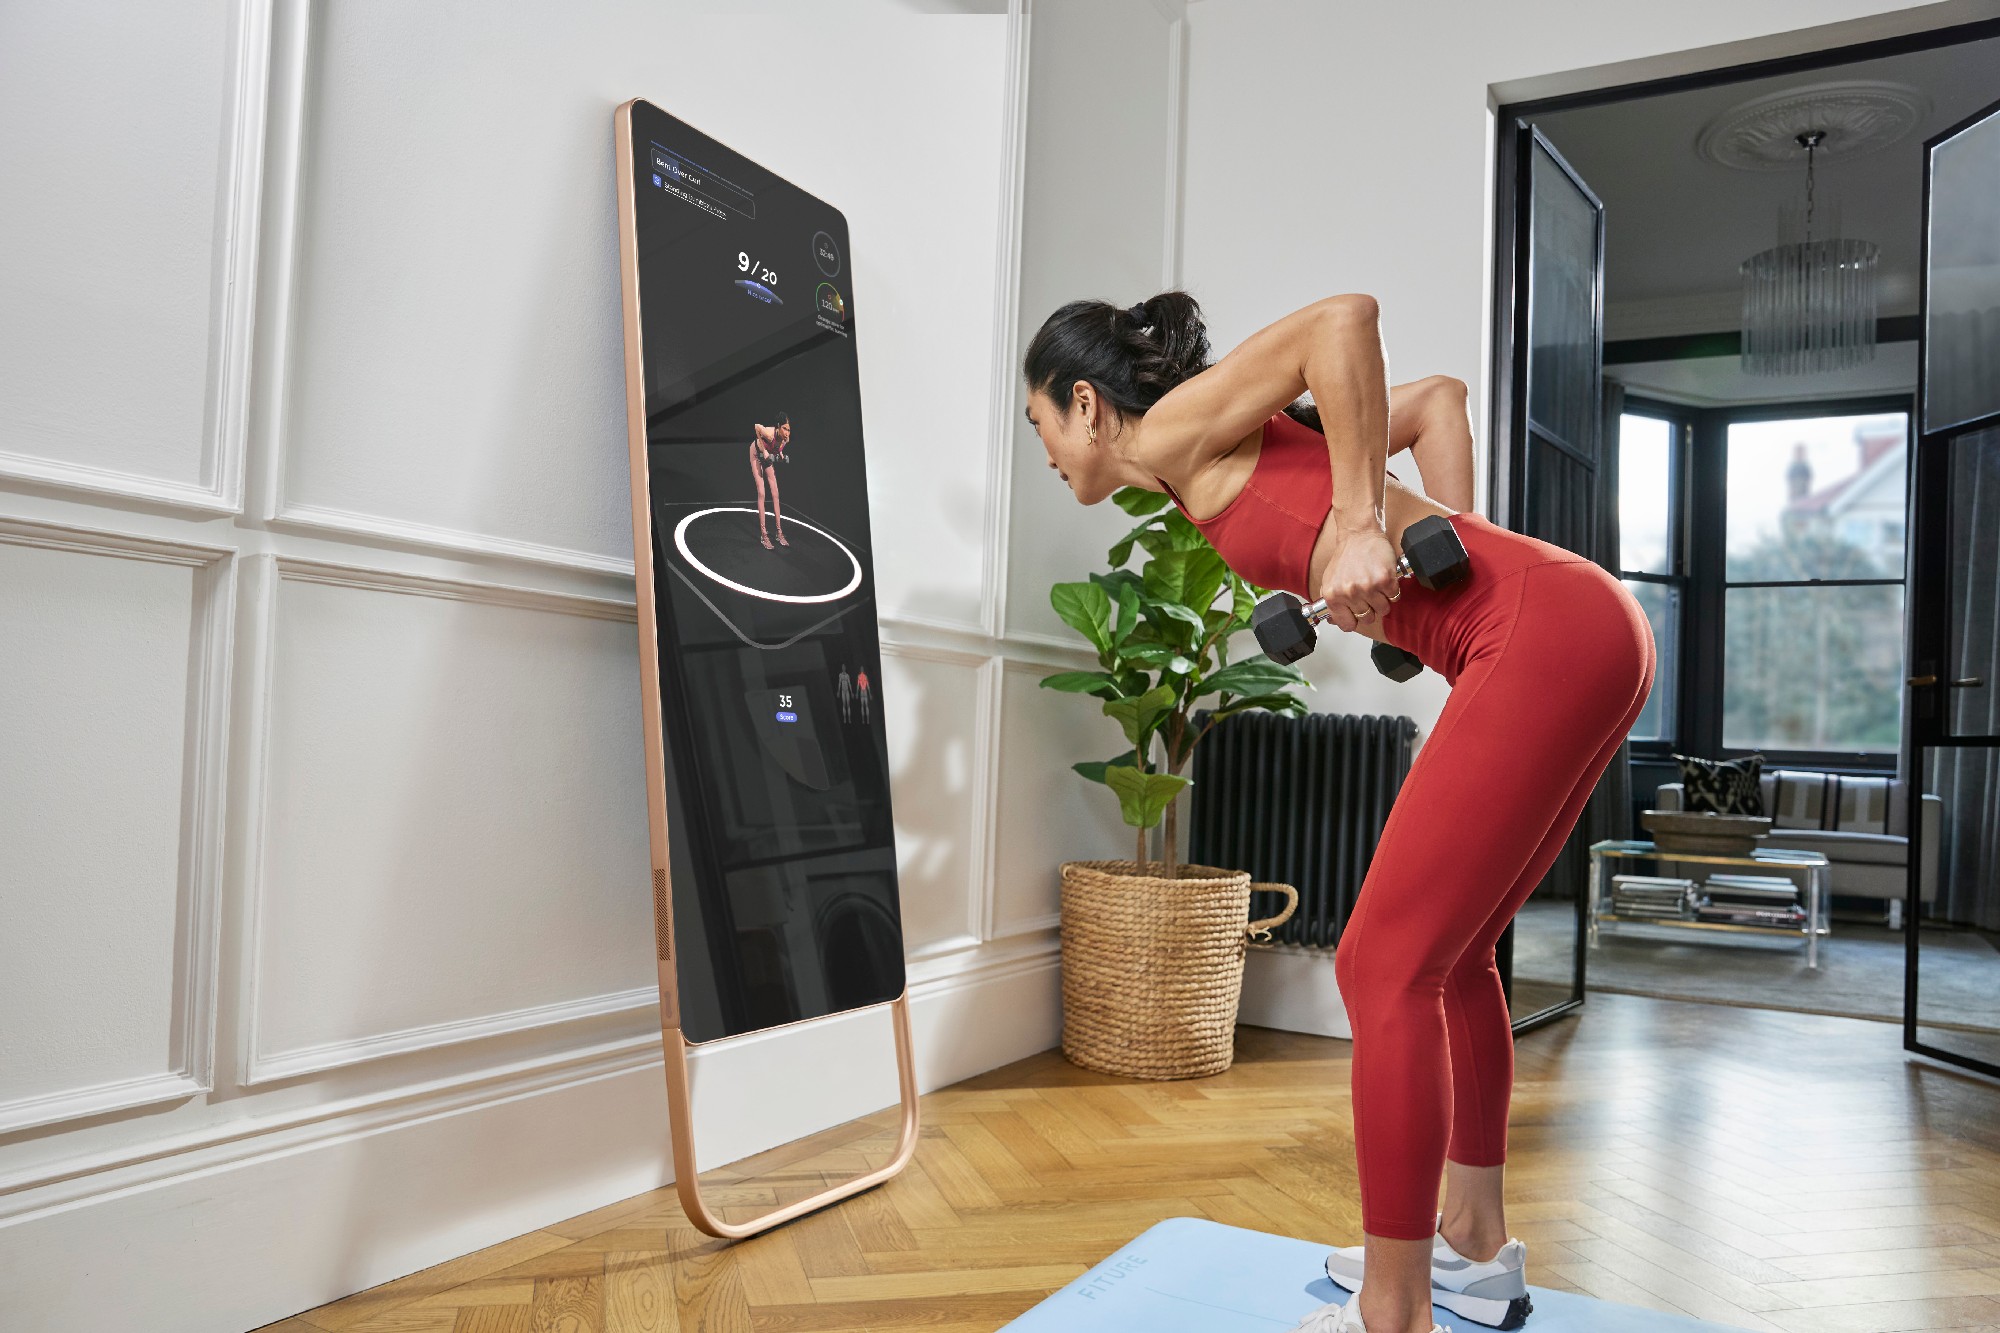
[
  {"x": 1153, "y": 951},
  {"x": 1162, "y": 647}
]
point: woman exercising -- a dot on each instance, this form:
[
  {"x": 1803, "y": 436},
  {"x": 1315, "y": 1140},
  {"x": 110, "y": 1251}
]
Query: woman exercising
[
  {"x": 767, "y": 448},
  {"x": 1549, "y": 658}
]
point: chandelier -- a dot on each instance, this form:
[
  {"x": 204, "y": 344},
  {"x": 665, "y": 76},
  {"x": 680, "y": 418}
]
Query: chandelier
[{"x": 1808, "y": 303}]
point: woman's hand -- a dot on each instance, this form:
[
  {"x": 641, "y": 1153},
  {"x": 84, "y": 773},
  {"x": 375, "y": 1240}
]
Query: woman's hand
[{"x": 1360, "y": 577}]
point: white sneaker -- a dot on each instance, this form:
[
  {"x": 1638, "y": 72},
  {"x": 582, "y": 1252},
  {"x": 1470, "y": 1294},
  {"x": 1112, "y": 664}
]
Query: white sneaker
[
  {"x": 1341, "y": 1319},
  {"x": 1493, "y": 1293}
]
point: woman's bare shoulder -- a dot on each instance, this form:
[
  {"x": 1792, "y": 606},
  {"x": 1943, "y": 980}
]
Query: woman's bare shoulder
[{"x": 1215, "y": 484}]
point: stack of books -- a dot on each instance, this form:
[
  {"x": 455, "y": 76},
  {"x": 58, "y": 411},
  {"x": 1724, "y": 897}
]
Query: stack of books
[
  {"x": 1758, "y": 900},
  {"x": 1652, "y": 895}
]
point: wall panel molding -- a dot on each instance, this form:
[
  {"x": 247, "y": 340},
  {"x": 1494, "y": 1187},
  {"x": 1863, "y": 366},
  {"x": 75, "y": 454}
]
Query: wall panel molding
[
  {"x": 1170, "y": 262},
  {"x": 231, "y": 312},
  {"x": 431, "y": 1036},
  {"x": 426, "y": 537},
  {"x": 198, "y": 895},
  {"x": 291, "y": 108},
  {"x": 262, "y": 1066},
  {"x": 984, "y": 796},
  {"x": 54, "y": 1186},
  {"x": 1006, "y": 330}
]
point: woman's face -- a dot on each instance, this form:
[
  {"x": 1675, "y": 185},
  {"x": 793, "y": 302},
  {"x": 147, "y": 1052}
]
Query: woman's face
[
  {"x": 1078, "y": 461},
  {"x": 785, "y": 433}
]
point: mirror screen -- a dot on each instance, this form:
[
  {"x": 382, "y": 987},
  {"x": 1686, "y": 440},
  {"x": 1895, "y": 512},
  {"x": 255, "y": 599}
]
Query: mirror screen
[{"x": 782, "y": 856}]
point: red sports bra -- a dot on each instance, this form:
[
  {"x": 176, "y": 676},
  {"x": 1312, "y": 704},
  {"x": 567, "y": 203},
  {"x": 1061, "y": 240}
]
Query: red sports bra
[{"x": 1267, "y": 532}]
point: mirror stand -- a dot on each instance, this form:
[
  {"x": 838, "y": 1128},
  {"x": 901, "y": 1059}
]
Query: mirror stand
[{"x": 680, "y": 1108}]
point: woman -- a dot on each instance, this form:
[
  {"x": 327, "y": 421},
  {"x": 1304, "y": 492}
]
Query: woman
[
  {"x": 1550, "y": 660},
  {"x": 767, "y": 448}
]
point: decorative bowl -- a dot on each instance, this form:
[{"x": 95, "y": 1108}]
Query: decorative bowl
[{"x": 1704, "y": 831}]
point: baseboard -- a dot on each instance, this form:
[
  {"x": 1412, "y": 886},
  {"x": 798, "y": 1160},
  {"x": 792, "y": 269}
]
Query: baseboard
[
  {"x": 230, "y": 1241},
  {"x": 1294, "y": 990}
]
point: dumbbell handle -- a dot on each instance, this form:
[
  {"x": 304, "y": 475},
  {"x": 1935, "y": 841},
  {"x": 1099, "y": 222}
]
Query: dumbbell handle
[{"x": 1314, "y": 612}]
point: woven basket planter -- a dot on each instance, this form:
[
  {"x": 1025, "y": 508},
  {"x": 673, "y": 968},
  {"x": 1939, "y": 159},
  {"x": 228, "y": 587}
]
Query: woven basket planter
[{"x": 1152, "y": 967}]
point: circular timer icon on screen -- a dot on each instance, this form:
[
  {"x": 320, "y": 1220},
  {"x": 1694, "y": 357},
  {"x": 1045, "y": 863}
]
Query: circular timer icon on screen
[{"x": 826, "y": 254}]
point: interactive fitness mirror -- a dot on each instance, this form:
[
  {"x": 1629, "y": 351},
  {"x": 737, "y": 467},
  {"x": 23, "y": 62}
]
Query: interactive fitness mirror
[{"x": 767, "y": 773}]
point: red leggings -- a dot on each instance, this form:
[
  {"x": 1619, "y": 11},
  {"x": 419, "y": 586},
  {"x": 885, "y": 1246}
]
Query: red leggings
[{"x": 1550, "y": 660}]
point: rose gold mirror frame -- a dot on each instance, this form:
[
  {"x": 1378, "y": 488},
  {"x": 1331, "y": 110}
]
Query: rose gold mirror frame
[{"x": 687, "y": 1180}]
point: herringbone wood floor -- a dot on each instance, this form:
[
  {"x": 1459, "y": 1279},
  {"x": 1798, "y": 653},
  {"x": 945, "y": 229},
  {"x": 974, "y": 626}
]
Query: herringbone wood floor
[{"x": 1761, "y": 1169}]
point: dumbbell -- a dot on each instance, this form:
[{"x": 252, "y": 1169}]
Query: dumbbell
[{"x": 1432, "y": 554}]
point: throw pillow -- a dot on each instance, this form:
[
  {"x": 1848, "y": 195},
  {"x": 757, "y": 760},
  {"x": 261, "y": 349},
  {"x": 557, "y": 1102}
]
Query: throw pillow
[
  {"x": 1726, "y": 786},
  {"x": 1861, "y": 804},
  {"x": 1799, "y": 799}
]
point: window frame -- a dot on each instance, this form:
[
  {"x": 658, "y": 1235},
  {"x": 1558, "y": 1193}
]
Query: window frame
[
  {"x": 1676, "y": 575},
  {"x": 1697, "y": 516}
]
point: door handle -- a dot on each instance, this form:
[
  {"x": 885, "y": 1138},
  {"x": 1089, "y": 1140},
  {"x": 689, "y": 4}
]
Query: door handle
[
  {"x": 1923, "y": 680},
  {"x": 1964, "y": 681}
]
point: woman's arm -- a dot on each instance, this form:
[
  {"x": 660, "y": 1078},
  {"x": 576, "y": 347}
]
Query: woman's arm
[
  {"x": 1430, "y": 418},
  {"x": 1350, "y": 384},
  {"x": 1208, "y": 414}
]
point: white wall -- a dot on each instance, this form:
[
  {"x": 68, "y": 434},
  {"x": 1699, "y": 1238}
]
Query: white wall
[
  {"x": 312, "y": 464},
  {"x": 1349, "y": 147},
  {"x": 311, "y": 461}
]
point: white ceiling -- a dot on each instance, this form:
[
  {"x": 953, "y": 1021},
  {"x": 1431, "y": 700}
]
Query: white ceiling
[{"x": 1677, "y": 225}]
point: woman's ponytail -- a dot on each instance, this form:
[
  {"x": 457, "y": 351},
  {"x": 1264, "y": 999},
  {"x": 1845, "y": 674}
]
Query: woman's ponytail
[{"x": 1131, "y": 355}]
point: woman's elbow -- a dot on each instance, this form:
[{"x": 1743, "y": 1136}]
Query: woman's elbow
[{"x": 1351, "y": 307}]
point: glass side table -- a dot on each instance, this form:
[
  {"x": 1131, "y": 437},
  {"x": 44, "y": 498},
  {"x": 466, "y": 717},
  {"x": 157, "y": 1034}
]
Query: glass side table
[{"x": 1818, "y": 920}]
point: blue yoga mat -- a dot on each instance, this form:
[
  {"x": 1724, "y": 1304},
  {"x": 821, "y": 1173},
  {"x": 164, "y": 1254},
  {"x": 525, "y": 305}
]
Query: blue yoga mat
[{"x": 1190, "y": 1275}]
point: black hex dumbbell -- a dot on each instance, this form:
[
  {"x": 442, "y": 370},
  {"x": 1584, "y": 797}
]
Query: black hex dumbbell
[
  {"x": 1432, "y": 554},
  {"x": 1398, "y": 664}
]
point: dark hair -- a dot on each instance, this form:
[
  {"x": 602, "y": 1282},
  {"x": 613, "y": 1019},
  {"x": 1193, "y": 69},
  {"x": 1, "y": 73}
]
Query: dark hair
[
  {"x": 782, "y": 420},
  {"x": 1132, "y": 356}
]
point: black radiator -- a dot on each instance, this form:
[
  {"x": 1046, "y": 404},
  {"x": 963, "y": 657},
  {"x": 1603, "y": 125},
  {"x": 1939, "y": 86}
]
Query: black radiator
[{"x": 1298, "y": 801}]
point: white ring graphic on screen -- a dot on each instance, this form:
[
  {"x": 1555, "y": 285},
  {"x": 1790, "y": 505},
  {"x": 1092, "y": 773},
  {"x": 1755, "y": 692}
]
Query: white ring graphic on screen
[{"x": 680, "y": 541}]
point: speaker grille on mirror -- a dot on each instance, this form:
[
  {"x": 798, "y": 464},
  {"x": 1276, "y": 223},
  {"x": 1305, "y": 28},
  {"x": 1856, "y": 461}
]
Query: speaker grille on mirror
[{"x": 663, "y": 916}]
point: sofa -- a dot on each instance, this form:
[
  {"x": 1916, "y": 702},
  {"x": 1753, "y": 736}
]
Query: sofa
[{"x": 1860, "y": 823}]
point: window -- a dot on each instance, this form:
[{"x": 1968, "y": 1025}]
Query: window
[
  {"x": 1766, "y": 545},
  {"x": 1813, "y": 583},
  {"x": 1646, "y": 469}
]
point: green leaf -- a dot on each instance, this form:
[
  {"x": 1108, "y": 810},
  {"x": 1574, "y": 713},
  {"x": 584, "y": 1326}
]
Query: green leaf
[
  {"x": 1085, "y": 608},
  {"x": 1166, "y": 576},
  {"x": 1136, "y": 500},
  {"x": 1128, "y": 611},
  {"x": 1158, "y": 542},
  {"x": 1163, "y": 657},
  {"x": 1185, "y": 535},
  {"x": 1141, "y": 715},
  {"x": 1095, "y": 769},
  {"x": 1100, "y": 683},
  {"x": 1116, "y": 579},
  {"x": 1121, "y": 550},
  {"x": 1241, "y": 604},
  {"x": 1276, "y": 703},
  {"x": 1253, "y": 675},
  {"x": 1178, "y": 624},
  {"x": 1144, "y": 797},
  {"x": 1203, "y": 578}
]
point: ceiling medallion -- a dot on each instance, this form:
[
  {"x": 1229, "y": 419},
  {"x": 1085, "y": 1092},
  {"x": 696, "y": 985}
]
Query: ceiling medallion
[{"x": 1859, "y": 117}]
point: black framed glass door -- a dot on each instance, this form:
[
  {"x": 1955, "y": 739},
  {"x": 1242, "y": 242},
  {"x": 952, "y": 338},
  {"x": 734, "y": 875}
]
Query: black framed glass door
[
  {"x": 1952, "y": 911},
  {"x": 1564, "y": 490}
]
